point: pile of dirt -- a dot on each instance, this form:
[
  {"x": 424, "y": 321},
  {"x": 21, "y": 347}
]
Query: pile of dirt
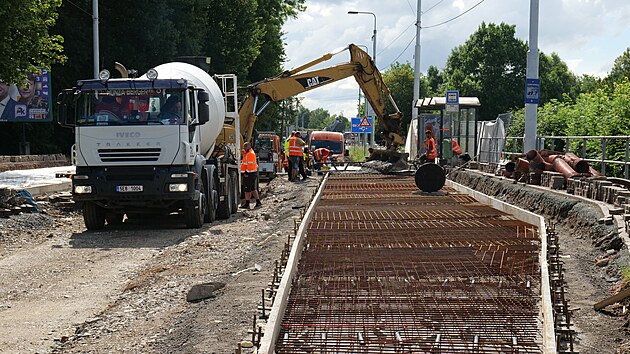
[
  {"x": 593, "y": 255},
  {"x": 556, "y": 208}
]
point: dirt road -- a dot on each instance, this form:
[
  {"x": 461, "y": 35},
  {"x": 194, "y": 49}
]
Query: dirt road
[{"x": 65, "y": 290}]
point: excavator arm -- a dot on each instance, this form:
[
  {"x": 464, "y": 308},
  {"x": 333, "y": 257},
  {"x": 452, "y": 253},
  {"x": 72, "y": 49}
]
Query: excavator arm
[{"x": 294, "y": 82}]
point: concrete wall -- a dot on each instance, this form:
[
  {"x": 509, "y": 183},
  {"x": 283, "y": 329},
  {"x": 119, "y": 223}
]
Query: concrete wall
[{"x": 26, "y": 162}]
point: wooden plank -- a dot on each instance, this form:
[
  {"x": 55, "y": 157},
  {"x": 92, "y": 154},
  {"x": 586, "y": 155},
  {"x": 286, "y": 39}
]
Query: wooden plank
[{"x": 612, "y": 299}]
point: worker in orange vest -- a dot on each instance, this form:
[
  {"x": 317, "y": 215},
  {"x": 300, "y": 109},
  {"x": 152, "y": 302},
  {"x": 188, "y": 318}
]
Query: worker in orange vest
[
  {"x": 429, "y": 145},
  {"x": 249, "y": 170},
  {"x": 321, "y": 156},
  {"x": 296, "y": 154},
  {"x": 456, "y": 149}
]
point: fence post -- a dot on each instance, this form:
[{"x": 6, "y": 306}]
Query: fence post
[
  {"x": 625, "y": 165},
  {"x": 603, "y": 156},
  {"x": 567, "y": 145},
  {"x": 584, "y": 149}
]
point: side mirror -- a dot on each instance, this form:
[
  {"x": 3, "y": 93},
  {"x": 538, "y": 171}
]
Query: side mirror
[
  {"x": 346, "y": 153},
  {"x": 202, "y": 107},
  {"x": 64, "y": 99}
]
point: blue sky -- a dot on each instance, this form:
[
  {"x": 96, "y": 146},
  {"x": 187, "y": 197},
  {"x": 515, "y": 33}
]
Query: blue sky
[{"x": 587, "y": 34}]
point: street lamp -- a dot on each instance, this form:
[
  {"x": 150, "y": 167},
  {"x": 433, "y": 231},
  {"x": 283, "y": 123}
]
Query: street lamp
[
  {"x": 374, "y": 36},
  {"x": 373, "y": 51}
]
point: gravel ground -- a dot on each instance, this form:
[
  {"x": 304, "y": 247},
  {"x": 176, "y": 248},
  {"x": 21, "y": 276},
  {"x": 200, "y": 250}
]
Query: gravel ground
[{"x": 68, "y": 290}]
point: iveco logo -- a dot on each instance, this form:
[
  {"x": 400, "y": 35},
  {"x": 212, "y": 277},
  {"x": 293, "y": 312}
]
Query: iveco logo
[{"x": 128, "y": 134}]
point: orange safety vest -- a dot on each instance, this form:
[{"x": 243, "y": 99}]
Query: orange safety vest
[
  {"x": 249, "y": 164},
  {"x": 321, "y": 154},
  {"x": 456, "y": 148},
  {"x": 294, "y": 148},
  {"x": 429, "y": 145}
]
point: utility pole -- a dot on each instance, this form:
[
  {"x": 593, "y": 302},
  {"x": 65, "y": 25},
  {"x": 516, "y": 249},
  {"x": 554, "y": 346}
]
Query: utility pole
[
  {"x": 531, "y": 109},
  {"x": 95, "y": 38},
  {"x": 416, "y": 75}
]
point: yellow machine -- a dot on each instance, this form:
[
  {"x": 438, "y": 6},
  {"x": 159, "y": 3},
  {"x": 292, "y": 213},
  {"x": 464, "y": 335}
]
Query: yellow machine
[{"x": 294, "y": 82}]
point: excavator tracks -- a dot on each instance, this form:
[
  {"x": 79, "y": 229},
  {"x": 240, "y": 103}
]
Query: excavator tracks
[{"x": 385, "y": 268}]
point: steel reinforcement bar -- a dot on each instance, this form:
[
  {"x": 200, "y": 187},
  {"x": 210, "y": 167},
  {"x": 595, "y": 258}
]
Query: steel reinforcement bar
[{"x": 383, "y": 268}]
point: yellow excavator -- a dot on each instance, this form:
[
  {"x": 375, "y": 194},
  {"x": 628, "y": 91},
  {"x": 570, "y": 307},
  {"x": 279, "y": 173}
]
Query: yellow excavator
[
  {"x": 296, "y": 81},
  {"x": 428, "y": 177}
]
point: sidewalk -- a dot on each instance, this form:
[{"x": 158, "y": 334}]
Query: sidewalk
[{"x": 37, "y": 181}]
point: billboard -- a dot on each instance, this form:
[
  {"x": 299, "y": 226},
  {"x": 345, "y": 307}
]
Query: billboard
[{"x": 28, "y": 102}]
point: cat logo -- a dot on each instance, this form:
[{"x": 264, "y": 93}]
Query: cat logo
[
  {"x": 314, "y": 81},
  {"x": 310, "y": 82}
]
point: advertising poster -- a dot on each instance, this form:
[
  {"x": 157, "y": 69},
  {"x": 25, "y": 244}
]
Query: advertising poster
[{"x": 29, "y": 101}]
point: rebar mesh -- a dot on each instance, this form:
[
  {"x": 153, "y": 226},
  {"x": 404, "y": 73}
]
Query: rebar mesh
[{"x": 386, "y": 269}]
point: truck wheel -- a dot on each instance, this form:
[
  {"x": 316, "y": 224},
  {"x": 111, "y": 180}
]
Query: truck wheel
[
  {"x": 194, "y": 212},
  {"x": 224, "y": 209},
  {"x": 114, "y": 218},
  {"x": 93, "y": 216},
  {"x": 213, "y": 204},
  {"x": 235, "y": 192}
]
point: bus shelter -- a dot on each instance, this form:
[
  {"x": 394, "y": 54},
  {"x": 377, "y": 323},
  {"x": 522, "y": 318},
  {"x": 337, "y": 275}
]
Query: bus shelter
[{"x": 446, "y": 126}]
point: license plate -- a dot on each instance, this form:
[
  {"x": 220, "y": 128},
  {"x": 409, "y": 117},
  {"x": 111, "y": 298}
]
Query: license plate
[{"x": 129, "y": 189}]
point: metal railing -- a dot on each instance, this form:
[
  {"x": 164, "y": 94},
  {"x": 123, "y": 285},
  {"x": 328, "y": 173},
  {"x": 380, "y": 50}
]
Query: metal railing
[{"x": 602, "y": 151}]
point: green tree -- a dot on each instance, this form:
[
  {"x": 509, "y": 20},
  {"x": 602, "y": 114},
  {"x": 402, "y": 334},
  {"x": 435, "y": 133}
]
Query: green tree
[
  {"x": 586, "y": 84},
  {"x": 490, "y": 65},
  {"x": 318, "y": 118},
  {"x": 26, "y": 41},
  {"x": 621, "y": 68},
  {"x": 435, "y": 81},
  {"x": 271, "y": 56},
  {"x": 555, "y": 78}
]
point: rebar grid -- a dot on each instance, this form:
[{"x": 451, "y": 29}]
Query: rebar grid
[{"x": 386, "y": 269}]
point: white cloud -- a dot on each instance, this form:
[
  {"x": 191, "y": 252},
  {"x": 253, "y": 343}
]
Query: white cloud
[{"x": 587, "y": 34}]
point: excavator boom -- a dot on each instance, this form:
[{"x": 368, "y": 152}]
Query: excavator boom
[{"x": 294, "y": 82}]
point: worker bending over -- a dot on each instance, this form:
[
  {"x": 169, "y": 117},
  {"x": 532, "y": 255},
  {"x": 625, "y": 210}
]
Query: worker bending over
[
  {"x": 321, "y": 156},
  {"x": 249, "y": 169}
]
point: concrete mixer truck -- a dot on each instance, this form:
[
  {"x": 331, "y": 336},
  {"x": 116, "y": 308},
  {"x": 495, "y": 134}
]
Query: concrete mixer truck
[{"x": 167, "y": 142}]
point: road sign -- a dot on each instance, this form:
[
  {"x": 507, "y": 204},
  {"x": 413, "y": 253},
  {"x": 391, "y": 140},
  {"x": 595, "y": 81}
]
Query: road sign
[
  {"x": 452, "y": 101},
  {"x": 362, "y": 125},
  {"x": 452, "y": 97},
  {"x": 532, "y": 91}
]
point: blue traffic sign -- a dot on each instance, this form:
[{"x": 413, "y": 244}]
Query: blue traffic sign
[
  {"x": 532, "y": 91},
  {"x": 452, "y": 97},
  {"x": 362, "y": 125}
]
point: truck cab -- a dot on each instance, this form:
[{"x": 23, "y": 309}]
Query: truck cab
[{"x": 149, "y": 145}]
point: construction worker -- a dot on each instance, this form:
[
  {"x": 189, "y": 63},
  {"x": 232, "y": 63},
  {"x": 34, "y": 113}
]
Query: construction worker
[
  {"x": 321, "y": 156},
  {"x": 456, "y": 149},
  {"x": 249, "y": 169},
  {"x": 430, "y": 148},
  {"x": 286, "y": 163},
  {"x": 295, "y": 156}
]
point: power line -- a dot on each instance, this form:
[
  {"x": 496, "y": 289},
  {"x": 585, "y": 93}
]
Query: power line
[
  {"x": 401, "y": 53},
  {"x": 77, "y": 6},
  {"x": 395, "y": 39},
  {"x": 431, "y": 8},
  {"x": 439, "y": 24},
  {"x": 456, "y": 17},
  {"x": 411, "y": 7}
]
